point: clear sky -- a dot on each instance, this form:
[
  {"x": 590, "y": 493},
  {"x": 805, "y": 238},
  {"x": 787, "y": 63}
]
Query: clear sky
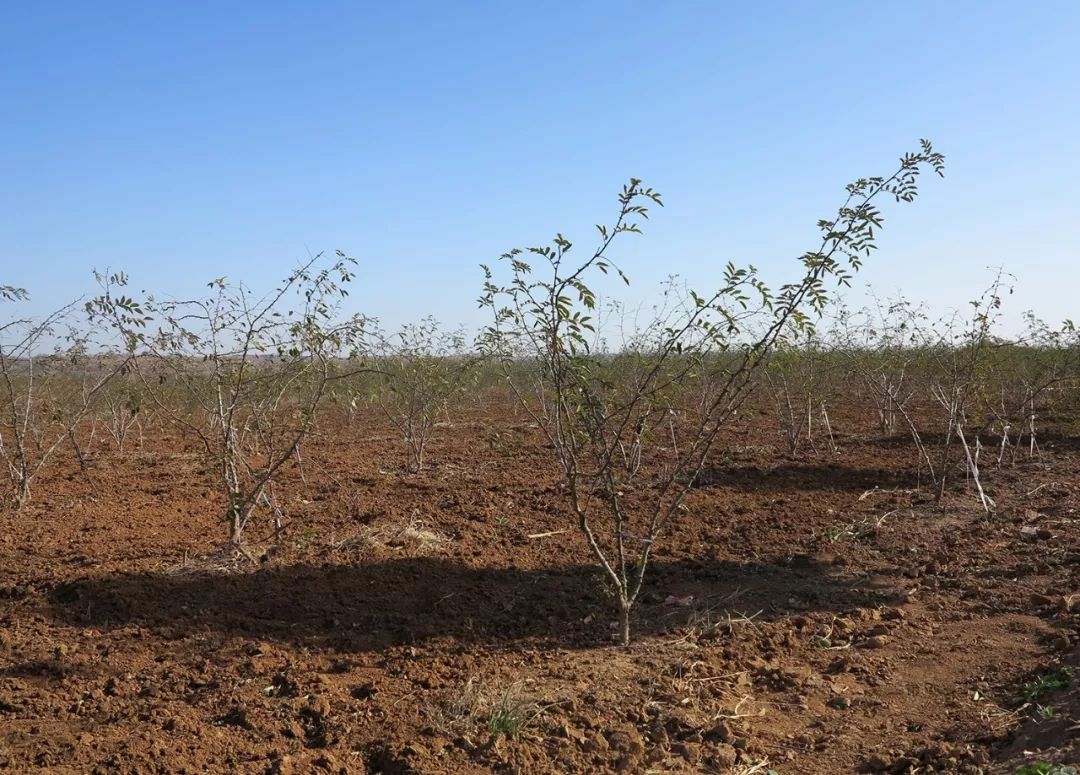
[{"x": 183, "y": 141}]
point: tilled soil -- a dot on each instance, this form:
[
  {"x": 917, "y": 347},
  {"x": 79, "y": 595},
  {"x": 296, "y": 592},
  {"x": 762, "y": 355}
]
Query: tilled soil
[{"x": 815, "y": 615}]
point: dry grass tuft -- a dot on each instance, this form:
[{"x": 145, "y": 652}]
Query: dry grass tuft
[
  {"x": 414, "y": 536},
  {"x": 509, "y": 712}
]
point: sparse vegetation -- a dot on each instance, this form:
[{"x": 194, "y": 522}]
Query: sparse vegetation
[
  {"x": 1041, "y": 768},
  {"x": 795, "y": 472},
  {"x": 1051, "y": 680}
]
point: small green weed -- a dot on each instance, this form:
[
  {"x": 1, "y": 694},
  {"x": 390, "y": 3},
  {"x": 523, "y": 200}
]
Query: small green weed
[
  {"x": 858, "y": 530},
  {"x": 1048, "y": 681},
  {"x": 1046, "y": 769},
  {"x": 1046, "y": 712},
  {"x": 512, "y": 715}
]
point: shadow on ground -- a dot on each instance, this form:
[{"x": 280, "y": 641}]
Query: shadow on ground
[
  {"x": 804, "y": 477},
  {"x": 371, "y": 606}
]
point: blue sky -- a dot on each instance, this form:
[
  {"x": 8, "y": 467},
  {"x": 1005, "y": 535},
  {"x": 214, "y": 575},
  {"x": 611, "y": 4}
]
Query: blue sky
[{"x": 183, "y": 141}]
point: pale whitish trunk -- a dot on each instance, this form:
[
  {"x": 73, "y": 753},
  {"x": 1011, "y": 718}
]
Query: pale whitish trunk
[
  {"x": 1031, "y": 428},
  {"x": 624, "y": 622},
  {"x": 973, "y": 467},
  {"x": 23, "y": 493},
  {"x": 828, "y": 427}
]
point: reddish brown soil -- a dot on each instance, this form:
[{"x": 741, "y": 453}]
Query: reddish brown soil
[{"x": 905, "y": 644}]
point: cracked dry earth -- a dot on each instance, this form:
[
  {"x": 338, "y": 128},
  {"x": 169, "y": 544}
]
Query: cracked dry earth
[{"x": 836, "y": 621}]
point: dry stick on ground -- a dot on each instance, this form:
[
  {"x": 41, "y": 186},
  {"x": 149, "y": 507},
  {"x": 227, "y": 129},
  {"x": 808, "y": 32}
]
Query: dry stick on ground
[{"x": 548, "y": 534}]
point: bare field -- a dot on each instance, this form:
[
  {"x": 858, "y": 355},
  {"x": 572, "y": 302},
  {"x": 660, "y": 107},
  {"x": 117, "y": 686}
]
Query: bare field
[{"x": 809, "y": 614}]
